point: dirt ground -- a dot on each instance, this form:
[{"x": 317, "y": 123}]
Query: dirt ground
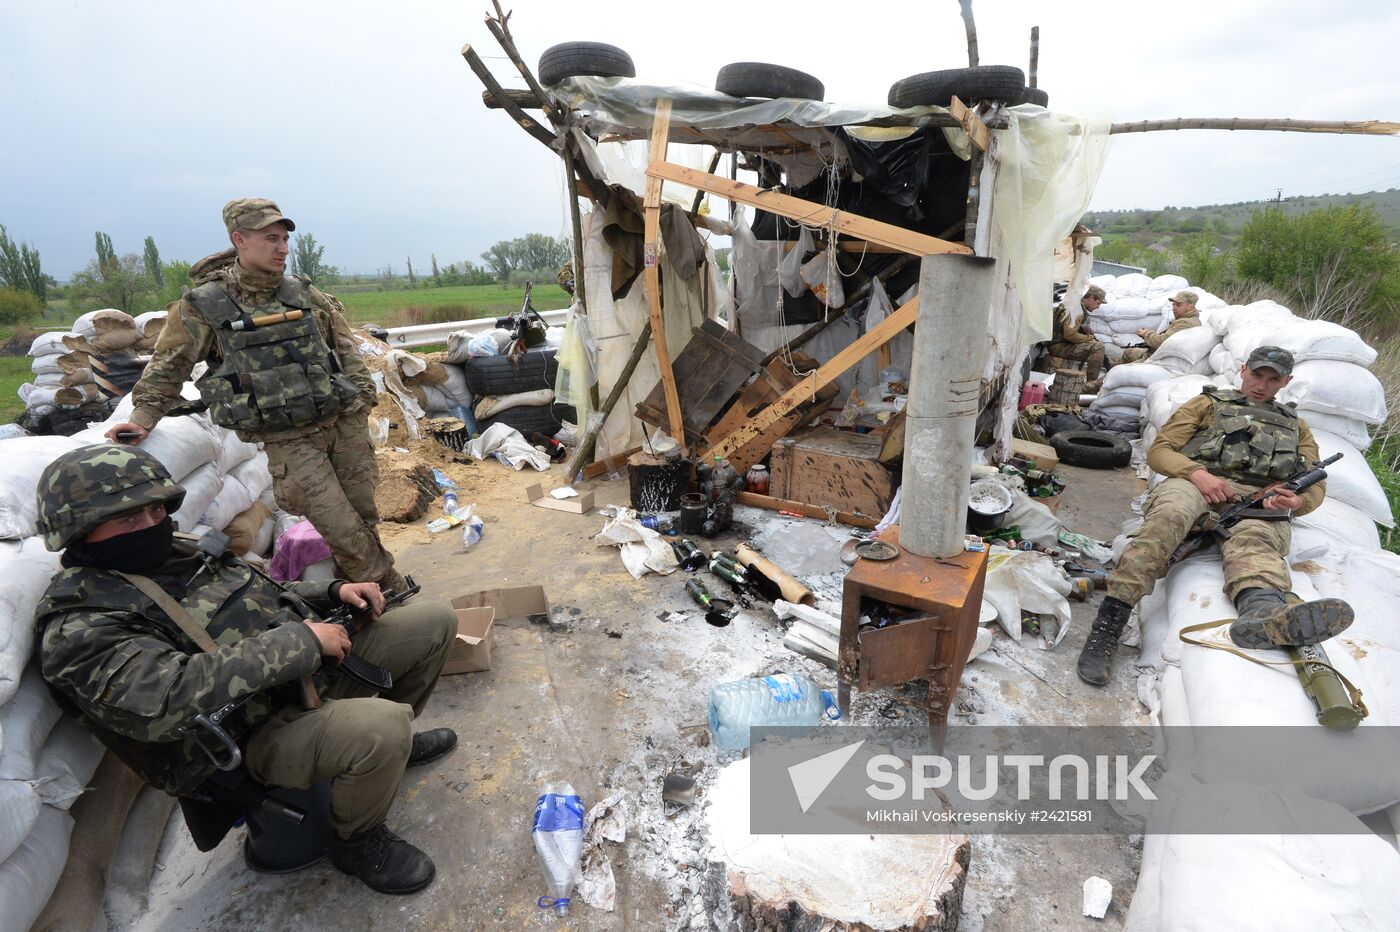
[{"x": 610, "y": 695}]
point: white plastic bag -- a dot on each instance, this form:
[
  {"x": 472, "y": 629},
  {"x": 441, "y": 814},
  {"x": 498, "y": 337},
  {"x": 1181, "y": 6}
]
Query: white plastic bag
[
  {"x": 790, "y": 270},
  {"x": 823, "y": 276},
  {"x": 1026, "y": 581}
]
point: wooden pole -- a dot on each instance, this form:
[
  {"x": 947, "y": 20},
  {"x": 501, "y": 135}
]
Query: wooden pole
[
  {"x": 1357, "y": 127},
  {"x": 1035, "y": 57},
  {"x": 700, "y": 195},
  {"x": 583, "y": 453},
  {"x": 651, "y": 258},
  {"x": 577, "y": 221},
  {"x": 971, "y": 25},
  {"x": 527, "y": 122},
  {"x": 500, "y": 28}
]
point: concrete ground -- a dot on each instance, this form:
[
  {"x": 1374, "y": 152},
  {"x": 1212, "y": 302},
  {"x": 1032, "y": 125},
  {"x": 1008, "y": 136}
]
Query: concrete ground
[{"x": 610, "y": 695}]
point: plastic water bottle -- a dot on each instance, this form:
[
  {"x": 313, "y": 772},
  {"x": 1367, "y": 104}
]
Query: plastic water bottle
[
  {"x": 449, "y": 503},
  {"x": 473, "y": 526},
  {"x": 780, "y": 699},
  {"x": 558, "y": 834}
]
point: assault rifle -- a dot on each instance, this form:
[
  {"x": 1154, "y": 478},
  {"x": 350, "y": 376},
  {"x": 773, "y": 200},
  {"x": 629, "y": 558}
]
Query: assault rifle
[
  {"x": 358, "y": 669},
  {"x": 1219, "y": 530}
]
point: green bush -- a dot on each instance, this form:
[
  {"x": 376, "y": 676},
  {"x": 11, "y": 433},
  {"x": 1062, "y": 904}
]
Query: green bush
[{"x": 16, "y": 307}]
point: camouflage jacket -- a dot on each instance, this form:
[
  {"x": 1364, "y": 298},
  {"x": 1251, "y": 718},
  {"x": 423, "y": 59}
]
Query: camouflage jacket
[
  {"x": 1071, "y": 333},
  {"x": 136, "y": 680},
  {"x": 1155, "y": 340},
  {"x": 188, "y": 339}
]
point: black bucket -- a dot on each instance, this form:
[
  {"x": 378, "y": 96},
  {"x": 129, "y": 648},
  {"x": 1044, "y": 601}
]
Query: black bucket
[
  {"x": 658, "y": 488},
  {"x": 277, "y": 846}
]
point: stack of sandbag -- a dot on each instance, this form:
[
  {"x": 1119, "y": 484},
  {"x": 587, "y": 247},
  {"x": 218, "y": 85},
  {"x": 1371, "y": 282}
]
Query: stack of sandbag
[
  {"x": 1125, "y": 388},
  {"x": 1135, "y": 302},
  {"x": 63, "y": 394},
  {"x": 150, "y": 325},
  {"x": 439, "y": 386}
]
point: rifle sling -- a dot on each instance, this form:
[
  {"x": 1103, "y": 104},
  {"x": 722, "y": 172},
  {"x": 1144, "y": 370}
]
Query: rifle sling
[{"x": 174, "y": 609}]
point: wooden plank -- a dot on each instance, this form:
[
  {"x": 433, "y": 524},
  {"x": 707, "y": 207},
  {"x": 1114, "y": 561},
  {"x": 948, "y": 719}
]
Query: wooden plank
[
  {"x": 801, "y": 508},
  {"x": 651, "y": 209},
  {"x": 830, "y": 468},
  {"x": 766, "y": 389},
  {"x": 876, "y": 337},
  {"x": 972, "y": 124},
  {"x": 807, "y": 212},
  {"x": 594, "y": 470},
  {"x": 714, "y": 365}
]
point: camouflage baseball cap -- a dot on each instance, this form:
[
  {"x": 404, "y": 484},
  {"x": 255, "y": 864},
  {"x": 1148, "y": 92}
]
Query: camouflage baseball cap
[
  {"x": 1272, "y": 357},
  {"x": 86, "y": 486},
  {"x": 253, "y": 213},
  {"x": 1186, "y": 297},
  {"x": 1094, "y": 291}
]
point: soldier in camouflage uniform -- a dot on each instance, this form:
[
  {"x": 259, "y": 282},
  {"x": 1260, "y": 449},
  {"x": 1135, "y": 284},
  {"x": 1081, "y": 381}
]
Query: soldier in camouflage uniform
[
  {"x": 1220, "y": 447},
  {"x": 139, "y": 633},
  {"x": 1186, "y": 316},
  {"x": 1075, "y": 343},
  {"x": 297, "y": 386}
]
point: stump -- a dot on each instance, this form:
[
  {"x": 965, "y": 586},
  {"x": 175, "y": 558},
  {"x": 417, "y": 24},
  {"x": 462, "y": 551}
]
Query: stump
[
  {"x": 404, "y": 492},
  {"x": 1066, "y": 388},
  {"x": 826, "y": 883}
]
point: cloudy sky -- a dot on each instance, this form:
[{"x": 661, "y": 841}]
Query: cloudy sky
[{"x": 364, "y": 122}]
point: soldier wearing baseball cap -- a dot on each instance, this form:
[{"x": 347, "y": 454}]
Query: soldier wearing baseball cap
[
  {"x": 1185, "y": 316},
  {"x": 1071, "y": 344},
  {"x": 1220, "y": 447},
  {"x": 284, "y": 370}
]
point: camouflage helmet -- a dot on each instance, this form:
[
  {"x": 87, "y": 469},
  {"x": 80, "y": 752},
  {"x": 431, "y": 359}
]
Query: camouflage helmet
[{"x": 86, "y": 486}]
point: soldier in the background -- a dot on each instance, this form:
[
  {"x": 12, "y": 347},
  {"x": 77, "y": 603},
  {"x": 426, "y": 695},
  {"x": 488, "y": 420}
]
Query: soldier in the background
[
  {"x": 1222, "y": 446},
  {"x": 284, "y": 371},
  {"x": 1186, "y": 316},
  {"x": 140, "y": 633},
  {"x": 1072, "y": 343}
]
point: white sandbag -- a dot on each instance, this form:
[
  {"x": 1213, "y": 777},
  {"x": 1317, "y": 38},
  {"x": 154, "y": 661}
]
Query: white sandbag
[
  {"x": 26, "y": 721},
  {"x": 1165, "y": 397},
  {"x": 201, "y": 486},
  {"x": 182, "y": 444},
  {"x": 26, "y": 566},
  {"x": 231, "y": 501},
  {"x": 436, "y": 400},
  {"x": 491, "y": 405},
  {"x": 46, "y": 363},
  {"x": 1137, "y": 375},
  {"x": 1205, "y": 301},
  {"x": 1259, "y": 312},
  {"x": 1220, "y": 359},
  {"x": 150, "y": 322},
  {"x": 1134, "y": 283},
  {"x": 1128, "y": 398},
  {"x": 1353, "y": 430},
  {"x": 19, "y": 810},
  {"x": 1339, "y": 522},
  {"x": 1322, "y": 339},
  {"x": 24, "y": 460},
  {"x": 48, "y": 343},
  {"x": 1313, "y": 877},
  {"x": 1182, "y": 351},
  {"x": 262, "y": 541},
  {"x": 52, "y": 380},
  {"x": 1170, "y": 283},
  {"x": 254, "y": 475},
  {"x": 232, "y": 451},
  {"x": 67, "y": 762},
  {"x": 28, "y": 877},
  {"x": 1351, "y": 480},
  {"x": 456, "y": 385},
  {"x": 1332, "y": 387}
]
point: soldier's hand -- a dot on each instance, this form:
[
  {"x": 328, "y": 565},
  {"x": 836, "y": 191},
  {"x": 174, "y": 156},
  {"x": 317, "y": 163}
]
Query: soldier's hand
[
  {"x": 363, "y": 595},
  {"x": 127, "y": 433},
  {"x": 335, "y": 643},
  {"x": 1215, "y": 489},
  {"x": 1283, "y": 500}
]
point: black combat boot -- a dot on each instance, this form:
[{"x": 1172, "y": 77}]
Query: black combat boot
[
  {"x": 1270, "y": 618},
  {"x": 1096, "y": 659},
  {"x": 430, "y": 745},
  {"x": 383, "y": 860}
]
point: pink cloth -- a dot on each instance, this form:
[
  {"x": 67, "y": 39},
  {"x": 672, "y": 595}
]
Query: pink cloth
[{"x": 297, "y": 549}]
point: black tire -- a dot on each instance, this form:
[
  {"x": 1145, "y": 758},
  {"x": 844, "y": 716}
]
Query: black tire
[
  {"x": 1037, "y": 96},
  {"x": 547, "y": 419},
  {"x": 757, "y": 79},
  {"x": 596, "y": 59},
  {"x": 501, "y": 375},
  {"x": 1092, "y": 449},
  {"x": 938, "y": 88}
]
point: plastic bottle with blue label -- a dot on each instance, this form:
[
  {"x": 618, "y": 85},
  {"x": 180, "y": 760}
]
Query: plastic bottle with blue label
[
  {"x": 558, "y": 834},
  {"x": 779, "y": 699}
]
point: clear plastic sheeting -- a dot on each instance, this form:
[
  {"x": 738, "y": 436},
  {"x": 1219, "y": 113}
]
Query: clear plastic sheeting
[
  {"x": 621, "y": 107},
  {"x": 1048, "y": 164}
]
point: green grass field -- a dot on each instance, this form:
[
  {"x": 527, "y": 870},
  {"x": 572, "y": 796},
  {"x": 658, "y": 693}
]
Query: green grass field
[
  {"x": 14, "y": 372},
  {"x": 432, "y": 305}
]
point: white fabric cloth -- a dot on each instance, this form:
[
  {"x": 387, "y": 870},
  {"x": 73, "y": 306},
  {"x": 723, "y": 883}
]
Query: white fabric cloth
[{"x": 506, "y": 444}]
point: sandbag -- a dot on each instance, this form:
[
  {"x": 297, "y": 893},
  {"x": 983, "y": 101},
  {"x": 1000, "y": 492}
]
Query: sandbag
[
  {"x": 26, "y": 721},
  {"x": 1181, "y": 352},
  {"x": 1322, "y": 339},
  {"x": 66, "y": 763},
  {"x": 103, "y": 321},
  {"x": 202, "y": 486},
  {"x": 26, "y": 566},
  {"x": 150, "y": 323},
  {"x": 1341, "y": 388},
  {"x": 19, "y": 810},
  {"x": 46, "y": 363},
  {"x": 1169, "y": 282},
  {"x": 1164, "y": 398},
  {"x": 232, "y": 500},
  {"x": 1137, "y": 375},
  {"x": 254, "y": 474},
  {"x": 1352, "y": 430},
  {"x": 456, "y": 385},
  {"x": 1338, "y": 522},
  {"x": 434, "y": 400},
  {"x": 24, "y": 460},
  {"x": 47, "y": 343},
  {"x": 1350, "y": 479},
  {"x": 28, "y": 877},
  {"x": 243, "y": 530},
  {"x": 182, "y": 444},
  {"x": 491, "y": 405},
  {"x": 233, "y": 452}
]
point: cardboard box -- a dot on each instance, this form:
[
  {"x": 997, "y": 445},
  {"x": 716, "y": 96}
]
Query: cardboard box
[
  {"x": 1045, "y": 456},
  {"x": 477, "y": 615},
  {"x": 580, "y": 504}
]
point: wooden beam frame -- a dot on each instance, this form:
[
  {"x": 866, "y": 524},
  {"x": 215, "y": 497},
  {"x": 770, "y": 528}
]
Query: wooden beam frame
[
  {"x": 651, "y": 258},
  {"x": 814, "y": 381},
  {"x": 972, "y": 124},
  {"x": 806, "y": 212}
]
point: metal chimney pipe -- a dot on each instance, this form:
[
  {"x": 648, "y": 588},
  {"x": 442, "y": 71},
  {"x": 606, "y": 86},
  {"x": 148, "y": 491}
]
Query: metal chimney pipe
[{"x": 950, "y": 345}]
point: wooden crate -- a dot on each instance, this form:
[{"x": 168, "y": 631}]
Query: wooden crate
[
  {"x": 833, "y": 469},
  {"x": 770, "y": 385},
  {"x": 711, "y": 368}
]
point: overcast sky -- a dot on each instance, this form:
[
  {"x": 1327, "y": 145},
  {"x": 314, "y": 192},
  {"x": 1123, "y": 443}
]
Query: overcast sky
[{"x": 362, "y": 120}]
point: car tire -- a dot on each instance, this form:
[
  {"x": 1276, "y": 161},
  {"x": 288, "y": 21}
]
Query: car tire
[
  {"x": 577, "y": 59},
  {"x": 506, "y": 375},
  {"x": 938, "y": 88},
  {"x": 1037, "y": 96},
  {"x": 1092, "y": 449},
  {"x": 758, "y": 79},
  {"x": 547, "y": 419}
]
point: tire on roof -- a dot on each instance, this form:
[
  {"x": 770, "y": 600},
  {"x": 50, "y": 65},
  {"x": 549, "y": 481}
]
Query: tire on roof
[
  {"x": 575, "y": 59},
  {"x": 758, "y": 79},
  {"x": 938, "y": 88}
]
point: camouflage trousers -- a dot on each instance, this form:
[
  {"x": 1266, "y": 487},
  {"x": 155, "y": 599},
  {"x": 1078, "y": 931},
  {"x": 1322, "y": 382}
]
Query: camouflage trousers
[
  {"x": 1136, "y": 354},
  {"x": 1254, "y": 556},
  {"x": 358, "y": 742},
  {"x": 328, "y": 477},
  {"x": 1091, "y": 354}
]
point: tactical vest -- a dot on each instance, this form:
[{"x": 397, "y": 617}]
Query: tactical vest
[
  {"x": 231, "y": 603},
  {"x": 272, "y": 377},
  {"x": 1251, "y": 444}
]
